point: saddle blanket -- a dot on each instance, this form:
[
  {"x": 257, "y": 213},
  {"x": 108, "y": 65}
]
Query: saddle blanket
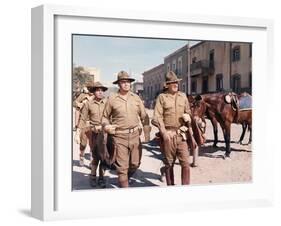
[{"x": 245, "y": 103}]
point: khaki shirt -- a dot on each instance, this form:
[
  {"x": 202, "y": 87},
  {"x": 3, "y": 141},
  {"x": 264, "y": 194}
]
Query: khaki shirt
[
  {"x": 124, "y": 113},
  {"x": 170, "y": 108},
  {"x": 92, "y": 110},
  {"x": 78, "y": 103}
]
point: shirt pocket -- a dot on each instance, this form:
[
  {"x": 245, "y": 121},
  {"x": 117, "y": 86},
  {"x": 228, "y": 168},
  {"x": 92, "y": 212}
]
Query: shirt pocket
[
  {"x": 168, "y": 105},
  {"x": 181, "y": 107},
  {"x": 169, "y": 109}
]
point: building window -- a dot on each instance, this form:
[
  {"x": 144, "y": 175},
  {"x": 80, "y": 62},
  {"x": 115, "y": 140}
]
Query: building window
[
  {"x": 205, "y": 84},
  {"x": 193, "y": 59},
  {"x": 179, "y": 67},
  {"x": 174, "y": 67},
  {"x": 168, "y": 68},
  {"x": 212, "y": 58},
  {"x": 194, "y": 86},
  {"x": 219, "y": 82},
  {"x": 183, "y": 88},
  {"x": 236, "y": 53},
  {"x": 250, "y": 80},
  {"x": 236, "y": 83},
  {"x": 155, "y": 90}
]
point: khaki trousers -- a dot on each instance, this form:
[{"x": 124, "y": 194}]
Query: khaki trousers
[
  {"x": 128, "y": 154},
  {"x": 176, "y": 148},
  {"x": 96, "y": 161}
]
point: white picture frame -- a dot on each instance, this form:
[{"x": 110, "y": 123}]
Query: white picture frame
[{"x": 52, "y": 197}]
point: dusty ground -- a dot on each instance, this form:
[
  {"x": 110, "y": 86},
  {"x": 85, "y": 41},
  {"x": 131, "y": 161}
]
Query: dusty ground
[{"x": 213, "y": 168}]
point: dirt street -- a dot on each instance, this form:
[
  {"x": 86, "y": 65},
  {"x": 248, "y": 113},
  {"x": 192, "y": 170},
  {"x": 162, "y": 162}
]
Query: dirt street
[{"x": 213, "y": 168}]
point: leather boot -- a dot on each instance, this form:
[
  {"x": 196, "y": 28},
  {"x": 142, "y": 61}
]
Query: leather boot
[
  {"x": 168, "y": 176},
  {"x": 123, "y": 183},
  {"x": 185, "y": 175}
]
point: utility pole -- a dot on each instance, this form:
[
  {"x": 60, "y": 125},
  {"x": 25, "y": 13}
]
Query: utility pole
[{"x": 188, "y": 70}]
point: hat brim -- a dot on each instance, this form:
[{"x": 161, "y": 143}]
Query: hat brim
[
  {"x": 169, "y": 82},
  {"x": 130, "y": 79},
  {"x": 99, "y": 87}
]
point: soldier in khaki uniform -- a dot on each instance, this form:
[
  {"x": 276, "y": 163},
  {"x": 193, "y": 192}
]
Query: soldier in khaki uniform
[
  {"x": 78, "y": 103},
  {"x": 171, "y": 114},
  {"x": 93, "y": 110},
  {"x": 83, "y": 132},
  {"x": 122, "y": 114}
]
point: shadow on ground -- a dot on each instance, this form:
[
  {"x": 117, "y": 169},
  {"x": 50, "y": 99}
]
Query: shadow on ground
[{"x": 80, "y": 181}]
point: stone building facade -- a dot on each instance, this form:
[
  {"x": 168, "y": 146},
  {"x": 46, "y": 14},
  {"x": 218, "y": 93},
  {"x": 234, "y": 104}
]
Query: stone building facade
[
  {"x": 214, "y": 66},
  {"x": 153, "y": 80},
  {"x": 221, "y": 66}
]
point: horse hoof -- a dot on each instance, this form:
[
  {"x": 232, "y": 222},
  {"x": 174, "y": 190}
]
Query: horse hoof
[
  {"x": 194, "y": 165},
  {"x": 227, "y": 157}
]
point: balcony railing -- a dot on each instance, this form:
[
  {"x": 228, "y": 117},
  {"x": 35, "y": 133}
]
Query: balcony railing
[{"x": 202, "y": 67}]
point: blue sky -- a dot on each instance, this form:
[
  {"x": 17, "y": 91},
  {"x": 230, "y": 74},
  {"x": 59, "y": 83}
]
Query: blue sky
[{"x": 113, "y": 54}]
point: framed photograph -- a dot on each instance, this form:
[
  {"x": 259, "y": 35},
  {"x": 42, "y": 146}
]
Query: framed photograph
[{"x": 78, "y": 52}]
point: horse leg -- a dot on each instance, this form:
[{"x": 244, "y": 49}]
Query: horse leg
[
  {"x": 244, "y": 127},
  {"x": 195, "y": 157},
  {"x": 215, "y": 129},
  {"x": 227, "y": 139},
  {"x": 250, "y": 137}
]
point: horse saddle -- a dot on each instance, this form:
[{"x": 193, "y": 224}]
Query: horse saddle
[{"x": 245, "y": 103}]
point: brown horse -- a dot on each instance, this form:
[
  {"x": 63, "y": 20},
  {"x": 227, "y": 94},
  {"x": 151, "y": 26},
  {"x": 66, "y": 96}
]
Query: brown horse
[
  {"x": 244, "y": 117},
  {"x": 220, "y": 108}
]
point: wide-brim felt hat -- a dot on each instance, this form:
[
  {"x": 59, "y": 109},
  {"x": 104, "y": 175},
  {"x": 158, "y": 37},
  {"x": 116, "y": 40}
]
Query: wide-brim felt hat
[
  {"x": 123, "y": 75},
  {"x": 97, "y": 85},
  {"x": 171, "y": 77}
]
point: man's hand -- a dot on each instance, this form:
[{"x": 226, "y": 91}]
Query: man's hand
[
  {"x": 186, "y": 117},
  {"x": 110, "y": 129},
  {"x": 80, "y": 105},
  {"x": 77, "y": 136},
  {"x": 98, "y": 129}
]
